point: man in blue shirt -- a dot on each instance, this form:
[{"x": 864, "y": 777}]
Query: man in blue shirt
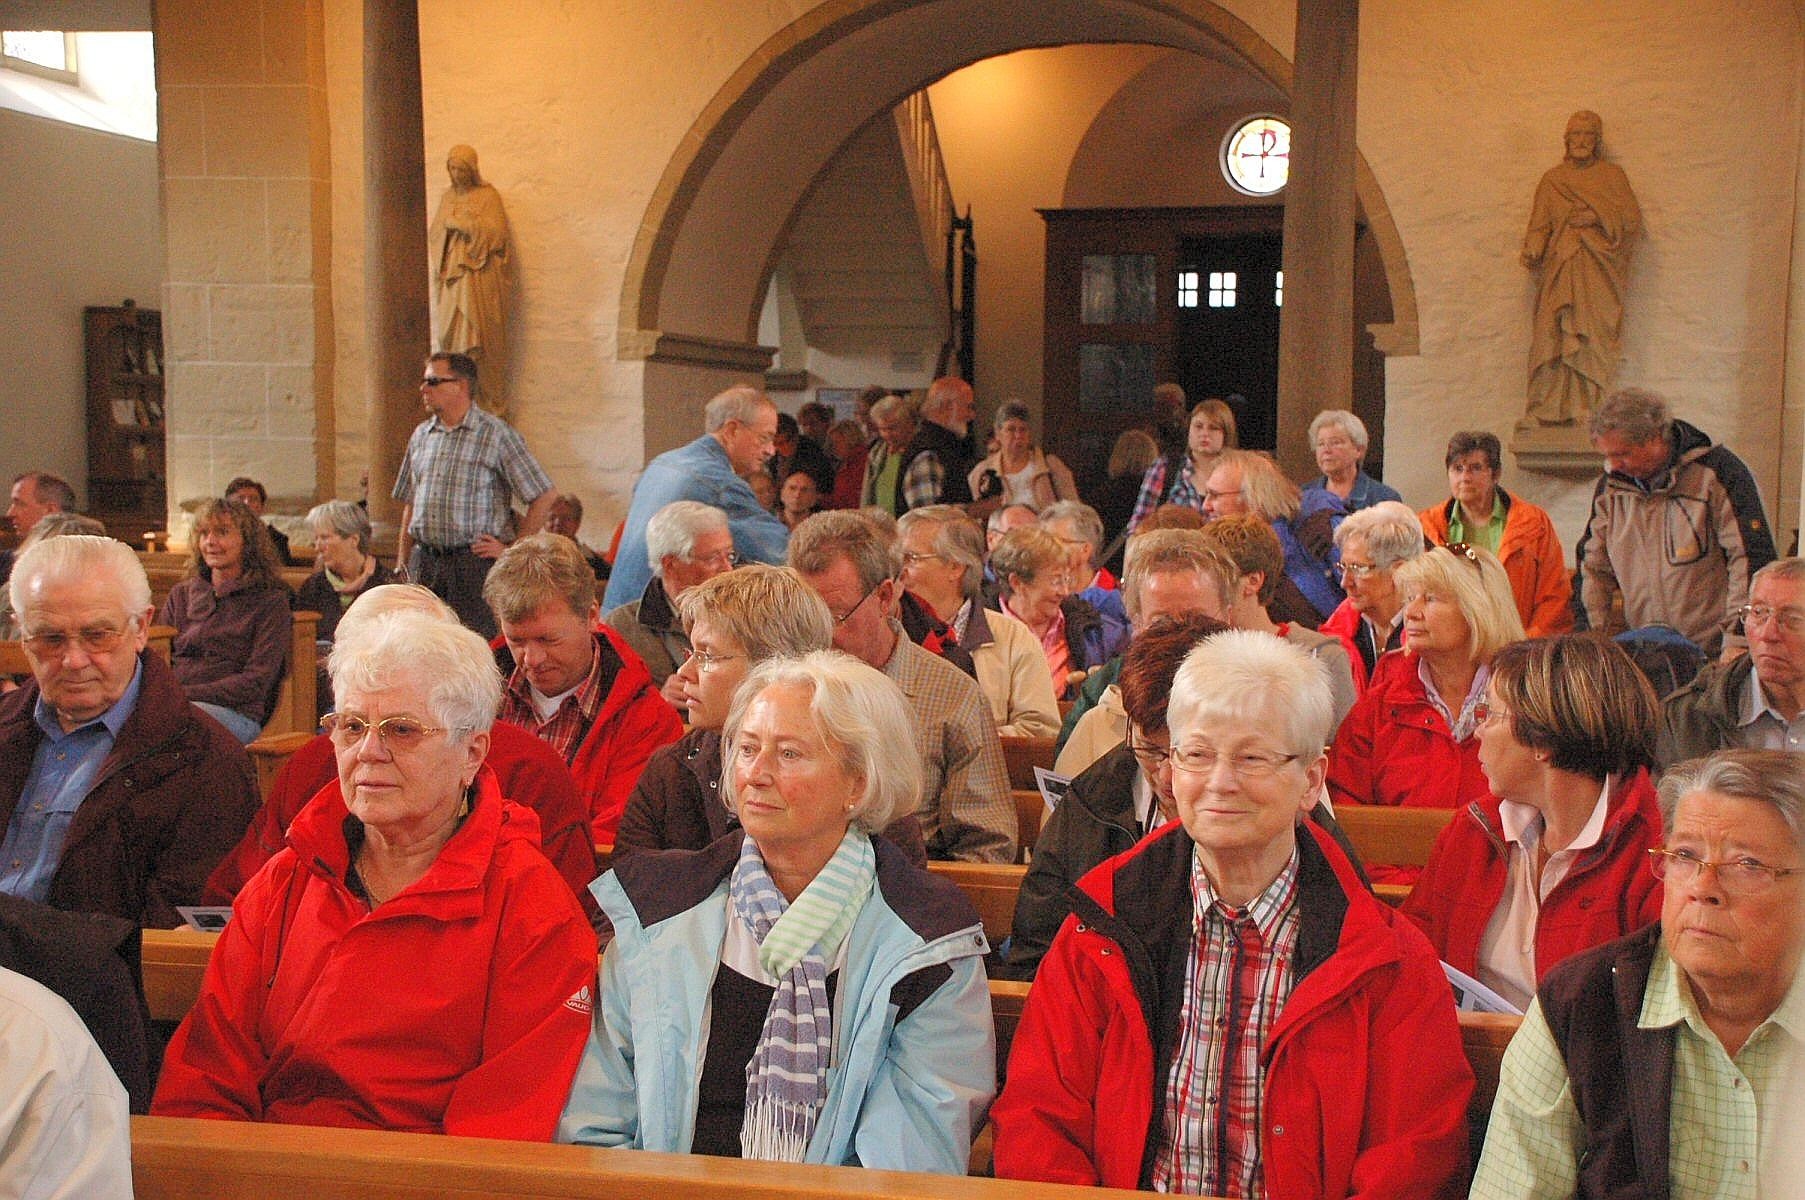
[
  {"x": 742, "y": 434},
  {"x": 116, "y": 794}
]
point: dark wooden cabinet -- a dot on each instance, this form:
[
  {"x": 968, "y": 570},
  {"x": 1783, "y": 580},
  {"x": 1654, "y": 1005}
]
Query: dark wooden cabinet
[{"x": 126, "y": 474}]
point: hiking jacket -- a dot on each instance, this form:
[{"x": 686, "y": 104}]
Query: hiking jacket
[
  {"x": 1704, "y": 715},
  {"x": 1532, "y": 557}
]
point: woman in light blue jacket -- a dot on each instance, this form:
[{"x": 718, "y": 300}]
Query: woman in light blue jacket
[{"x": 796, "y": 991}]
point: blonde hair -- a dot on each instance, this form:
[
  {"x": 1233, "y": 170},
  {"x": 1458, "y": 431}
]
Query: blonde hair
[
  {"x": 768, "y": 610},
  {"x": 1178, "y": 550},
  {"x": 536, "y": 569},
  {"x": 1264, "y": 487},
  {"x": 1475, "y": 581}
]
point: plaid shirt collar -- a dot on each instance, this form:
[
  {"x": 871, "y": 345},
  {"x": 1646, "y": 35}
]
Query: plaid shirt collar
[{"x": 575, "y": 714}]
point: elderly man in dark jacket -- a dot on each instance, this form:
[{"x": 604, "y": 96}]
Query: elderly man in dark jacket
[{"x": 116, "y": 794}]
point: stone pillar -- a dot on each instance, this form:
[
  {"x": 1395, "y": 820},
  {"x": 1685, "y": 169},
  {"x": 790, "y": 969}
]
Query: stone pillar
[
  {"x": 1316, "y": 328},
  {"x": 396, "y": 322},
  {"x": 247, "y": 297}
]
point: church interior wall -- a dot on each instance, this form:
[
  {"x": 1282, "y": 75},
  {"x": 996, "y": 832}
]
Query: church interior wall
[
  {"x": 72, "y": 240},
  {"x": 576, "y": 113}
]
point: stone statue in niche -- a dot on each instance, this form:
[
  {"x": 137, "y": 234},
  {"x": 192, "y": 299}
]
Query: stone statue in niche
[
  {"x": 1582, "y": 230},
  {"x": 469, "y": 246}
]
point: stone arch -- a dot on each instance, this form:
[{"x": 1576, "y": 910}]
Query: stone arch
[{"x": 713, "y": 227}]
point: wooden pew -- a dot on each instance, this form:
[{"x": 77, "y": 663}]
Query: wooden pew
[
  {"x": 1402, "y": 836},
  {"x": 270, "y": 753},
  {"x": 1023, "y": 754},
  {"x": 1030, "y": 809},
  {"x": 991, "y": 888},
  {"x": 174, "y": 962},
  {"x": 297, "y": 700},
  {"x": 176, "y": 1159},
  {"x": 1484, "y": 1037}
]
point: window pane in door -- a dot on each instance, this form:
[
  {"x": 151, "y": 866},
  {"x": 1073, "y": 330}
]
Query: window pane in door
[
  {"x": 1119, "y": 289},
  {"x": 1114, "y": 379}
]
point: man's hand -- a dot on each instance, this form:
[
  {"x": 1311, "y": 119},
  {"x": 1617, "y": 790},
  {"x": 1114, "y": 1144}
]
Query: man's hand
[{"x": 488, "y": 546}]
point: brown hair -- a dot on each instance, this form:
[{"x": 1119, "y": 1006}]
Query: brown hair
[
  {"x": 534, "y": 570},
  {"x": 1252, "y": 546},
  {"x": 1581, "y": 698},
  {"x": 261, "y": 566}
]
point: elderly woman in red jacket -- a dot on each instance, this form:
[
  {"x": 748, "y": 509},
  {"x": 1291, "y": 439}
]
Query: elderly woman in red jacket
[
  {"x": 1410, "y": 737},
  {"x": 410, "y": 960},
  {"x": 1553, "y": 862}
]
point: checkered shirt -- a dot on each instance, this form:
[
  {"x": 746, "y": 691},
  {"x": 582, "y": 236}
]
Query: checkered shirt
[
  {"x": 1238, "y": 977},
  {"x": 1153, "y": 486},
  {"x": 461, "y": 479},
  {"x": 1727, "y": 1117},
  {"x": 576, "y": 714}
]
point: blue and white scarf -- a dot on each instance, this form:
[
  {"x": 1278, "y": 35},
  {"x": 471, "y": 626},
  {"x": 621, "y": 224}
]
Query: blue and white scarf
[{"x": 786, "y": 1081}]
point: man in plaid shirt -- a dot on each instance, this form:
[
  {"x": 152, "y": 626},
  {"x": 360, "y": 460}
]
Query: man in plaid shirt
[
  {"x": 1228, "y": 1011},
  {"x": 456, "y": 484}
]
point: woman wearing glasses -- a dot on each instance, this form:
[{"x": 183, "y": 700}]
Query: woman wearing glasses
[
  {"x": 1410, "y": 738},
  {"x": 410, "y": 960},
  {"x": 1554, "y": 860},
  {"x": 1033, "y": 567},
  {"x": 733, "y": 622},
  {"x": 1654, "y": 1064},
  {"x": 797, "y": 991}
]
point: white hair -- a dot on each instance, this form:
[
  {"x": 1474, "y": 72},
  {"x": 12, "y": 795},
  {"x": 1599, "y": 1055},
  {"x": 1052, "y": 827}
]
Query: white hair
[
  {"x": 673, "y": 530},
  {"x": 387, "y": 598},
  {"x": 1259, "y": 681},
  {"x": 859, "y": 713},
  {"x": 1393, "y": 533},
  {"x": 742, "y": 402},
  {"x": 343, "y": 518},
  {"x": 1351, "y": 425},
  {"x": 78, "y": 556},
  {"x": 452, "y": 666}
]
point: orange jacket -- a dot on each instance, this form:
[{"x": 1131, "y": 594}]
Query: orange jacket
[{"x": 1532, "y": 557}]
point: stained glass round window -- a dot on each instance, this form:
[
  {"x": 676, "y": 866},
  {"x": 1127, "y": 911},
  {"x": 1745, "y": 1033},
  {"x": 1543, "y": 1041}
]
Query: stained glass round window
[{"x": 1256, "y": 155}]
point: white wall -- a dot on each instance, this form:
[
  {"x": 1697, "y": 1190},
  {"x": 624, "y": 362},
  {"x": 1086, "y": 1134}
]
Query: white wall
[{"x": 82, "y": 228}]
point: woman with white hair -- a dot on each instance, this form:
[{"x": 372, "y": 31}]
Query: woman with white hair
[
  {"x": 1338, "y": 439},
  {"x": 347, "y": 569},
  {"x": 1411, "y": 739},
  {"x": 1229, "y": 1011},
  {"x": 1372, "y": 543},
  {"x": 410, "y": 960},
  {"x": 795, "y": 992}
]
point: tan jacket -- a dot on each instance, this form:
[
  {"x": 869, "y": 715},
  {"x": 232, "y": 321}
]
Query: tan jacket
[{"x": 1052, "y": 478}]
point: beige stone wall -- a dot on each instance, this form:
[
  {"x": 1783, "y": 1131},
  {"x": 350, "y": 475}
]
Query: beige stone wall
[
  {"x": 247, "y": 295},
  {"x": 577, "y": 109}
]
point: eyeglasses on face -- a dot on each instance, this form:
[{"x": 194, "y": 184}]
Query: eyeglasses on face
[
  {"x": 1197, "y": 759},
  {"x": 399, "y": 734},
  {"x": 842, "y": 618},
  {"x": 436, "y": 380},
  {"x": 1788, "y": 620},
  {"x": 1353, "y": 570},
  {"x": 705, "y": 661},
  {"x": 1148, "y": 754},
  {"x": 98, "y": 639},
  {"x": 1742, "y": 877},
  {"x": 720, "y": 558},
  {"x": 1485, "y": 712},
  {"x": 910, "y": 558}
]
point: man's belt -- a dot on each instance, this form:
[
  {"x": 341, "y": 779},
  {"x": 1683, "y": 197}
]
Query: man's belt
[{"x": 432, "y": 551}]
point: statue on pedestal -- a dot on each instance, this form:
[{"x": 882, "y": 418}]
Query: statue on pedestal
[
  {"x": 1581, "y": 231},
  {"x": 468, "y": 242}
]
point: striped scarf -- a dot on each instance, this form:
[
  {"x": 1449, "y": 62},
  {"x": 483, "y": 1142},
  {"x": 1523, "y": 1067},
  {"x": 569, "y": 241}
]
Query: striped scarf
[{"x": 786, "y": 1081}]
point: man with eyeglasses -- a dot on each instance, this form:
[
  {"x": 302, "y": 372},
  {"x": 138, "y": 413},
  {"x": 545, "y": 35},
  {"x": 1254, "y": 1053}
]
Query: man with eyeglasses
[
  {"x": 1228, "y": 1011},
  {"x": 116, "y": 794},
  {"x": 740, "y": 437},
  {"x": 966, "y": 811},
  {"x": 687, "y": 542},
  {"x": 456, "y": 484},
  {"x": 1656, "y": 1064},
  {"x": 575, "y": 684},
  {"x": 1756, "y": 699}
]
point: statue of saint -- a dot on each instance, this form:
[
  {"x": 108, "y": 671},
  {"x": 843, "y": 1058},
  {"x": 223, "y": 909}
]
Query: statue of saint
[
  {"x": 1581, "y": 231},
  {"x": 469, "y": 246}
]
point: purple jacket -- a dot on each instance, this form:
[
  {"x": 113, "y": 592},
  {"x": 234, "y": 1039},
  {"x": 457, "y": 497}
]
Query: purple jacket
[{"x": 230, "y": 650}]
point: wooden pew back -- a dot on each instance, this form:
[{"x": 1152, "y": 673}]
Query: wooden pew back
[
  {"x": 1399, "y": 836},
  {"x": 176, "y": 1159},
  {"x": 1023, "y": 754},
  {"x": 991, "y": 888}
]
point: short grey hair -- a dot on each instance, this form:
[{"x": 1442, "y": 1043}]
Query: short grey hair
[
  {"x": 859, "y": 713},
  {"x": 1083, "y": 518},
  {"x": 768, "y": 610},
  {"x": 1790, "y": 569},
  {"x": 1351, "y": 425},
  {"x": 742, "y": 402},
  {"x": 994, "y": 522},
  {"x": 1393, "y": 533},
  {"x": 827, "y": 536},
  {"x": 896, "y": 406},
  {"x": 1253, "y": 678},
  {"x": 342, "y": 518},
  {"x": 387, "y": 598},
  {"x": 673, "y": 530},
  {"x": 78, "y": 556},
  {"x": 1771, "y": 776},
  {"x": 957, "y": 539},
  {"x": 453, "y": 666},
  {"x": 1638, "y": 414}
]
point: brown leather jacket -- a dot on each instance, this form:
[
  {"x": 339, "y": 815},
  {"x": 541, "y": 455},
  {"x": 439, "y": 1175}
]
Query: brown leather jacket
[{"x": 173, "y": 796}]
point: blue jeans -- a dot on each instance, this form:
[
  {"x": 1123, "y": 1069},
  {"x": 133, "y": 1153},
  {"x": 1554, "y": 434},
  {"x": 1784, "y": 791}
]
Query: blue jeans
[{"x": 244, "y": 728}]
